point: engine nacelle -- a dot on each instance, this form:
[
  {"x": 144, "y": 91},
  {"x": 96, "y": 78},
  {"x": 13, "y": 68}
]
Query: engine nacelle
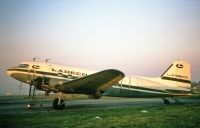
[
  {"x": 41, "y": 83},
  {"x": 98, "y": 94},
  {"x": 46, "y": 84}
]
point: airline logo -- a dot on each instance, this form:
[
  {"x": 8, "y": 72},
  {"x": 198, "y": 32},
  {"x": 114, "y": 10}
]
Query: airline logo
[
  {"x": 73, "y": 73},
  {"x": 179, "y": 65},
  {"x": 178, "y": 76},
  {"x": 36, "y": 66}
]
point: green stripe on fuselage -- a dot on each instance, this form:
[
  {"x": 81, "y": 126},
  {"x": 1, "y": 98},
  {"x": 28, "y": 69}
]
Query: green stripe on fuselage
[
  {"x": 134, "y": 91},
  {"x": 43, "y": 73},
  {"x": 142, "y": 88}
]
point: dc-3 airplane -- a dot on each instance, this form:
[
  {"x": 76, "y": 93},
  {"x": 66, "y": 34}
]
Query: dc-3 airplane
[{"x": 50, "y": 77}]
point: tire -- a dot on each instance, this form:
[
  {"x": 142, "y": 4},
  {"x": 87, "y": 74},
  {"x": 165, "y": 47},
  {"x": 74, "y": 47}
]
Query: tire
[
  {"x": 57, "y": 106},
  {"x": 166, "y": 101}
]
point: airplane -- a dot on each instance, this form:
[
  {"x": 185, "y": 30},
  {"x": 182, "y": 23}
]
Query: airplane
[{"x": 57, "y": 78}]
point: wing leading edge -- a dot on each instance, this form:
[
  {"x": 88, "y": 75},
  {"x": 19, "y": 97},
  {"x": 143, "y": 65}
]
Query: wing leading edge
[{"x": 94, "y": 84}]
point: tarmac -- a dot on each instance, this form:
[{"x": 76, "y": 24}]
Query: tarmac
[{"x": 18, "y": 104}]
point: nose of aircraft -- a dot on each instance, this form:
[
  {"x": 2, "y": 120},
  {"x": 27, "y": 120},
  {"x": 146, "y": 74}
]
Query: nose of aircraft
[{"x": 8, "y": 72}]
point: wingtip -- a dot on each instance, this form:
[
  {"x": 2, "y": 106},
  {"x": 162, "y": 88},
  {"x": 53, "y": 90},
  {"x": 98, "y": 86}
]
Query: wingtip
[{"x": 118, "y": 72}]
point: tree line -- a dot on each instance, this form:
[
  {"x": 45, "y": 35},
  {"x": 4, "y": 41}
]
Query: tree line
[{"x": 195, "y": 83}]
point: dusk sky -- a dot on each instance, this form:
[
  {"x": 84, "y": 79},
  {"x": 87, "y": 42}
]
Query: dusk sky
[{"x": 138, "y": 37}]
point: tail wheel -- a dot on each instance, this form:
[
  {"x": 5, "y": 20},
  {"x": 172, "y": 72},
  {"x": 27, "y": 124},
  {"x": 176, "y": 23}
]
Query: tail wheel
[
  {"x": 166, "y": 101},
  {"x": 57, "y": 105}
]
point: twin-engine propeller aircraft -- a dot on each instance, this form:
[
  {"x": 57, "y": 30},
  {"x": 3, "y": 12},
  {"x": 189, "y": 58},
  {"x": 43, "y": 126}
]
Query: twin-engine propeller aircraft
[{"x": 50, "y": 77}]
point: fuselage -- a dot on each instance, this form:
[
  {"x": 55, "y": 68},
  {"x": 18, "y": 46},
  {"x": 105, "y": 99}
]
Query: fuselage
[{"x": 133, "y": 86}]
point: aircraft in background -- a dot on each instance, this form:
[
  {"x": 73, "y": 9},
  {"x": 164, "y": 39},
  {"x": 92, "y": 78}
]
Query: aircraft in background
[{"x": 50, "y": 77}]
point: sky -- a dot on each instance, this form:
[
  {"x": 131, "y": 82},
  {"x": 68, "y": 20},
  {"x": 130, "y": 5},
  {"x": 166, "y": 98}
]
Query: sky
[{"x": 138, "y": 37}]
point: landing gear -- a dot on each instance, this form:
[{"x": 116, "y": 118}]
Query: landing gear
[
  {"x": 166, "y": 101},
  {"x": 176, "y": 100},
  {"x": 58, "y": 103}
]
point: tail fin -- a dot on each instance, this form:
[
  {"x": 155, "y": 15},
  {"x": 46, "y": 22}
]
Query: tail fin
[{"x": 179, "y": 71}]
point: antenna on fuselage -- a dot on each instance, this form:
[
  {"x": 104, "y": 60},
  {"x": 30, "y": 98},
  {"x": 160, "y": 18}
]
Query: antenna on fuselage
[
  {"x": 35, "y": 58},
  {"x": 47, "y": 60}
]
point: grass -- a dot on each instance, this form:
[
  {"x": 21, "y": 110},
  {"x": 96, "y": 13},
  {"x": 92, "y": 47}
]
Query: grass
[{"x": 172, "y": 116}]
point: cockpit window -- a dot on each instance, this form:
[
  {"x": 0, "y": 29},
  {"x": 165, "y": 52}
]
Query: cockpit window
[{"x": 23, "y": 65}]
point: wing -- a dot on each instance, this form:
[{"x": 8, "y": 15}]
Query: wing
[{"x": 94, "y": 84}]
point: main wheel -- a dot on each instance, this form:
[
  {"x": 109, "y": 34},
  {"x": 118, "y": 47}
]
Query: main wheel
[{"x": 57, "y": 105}]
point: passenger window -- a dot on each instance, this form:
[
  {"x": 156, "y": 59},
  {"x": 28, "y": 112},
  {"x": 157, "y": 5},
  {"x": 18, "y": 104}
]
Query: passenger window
[{"x": 23, "y": 65}]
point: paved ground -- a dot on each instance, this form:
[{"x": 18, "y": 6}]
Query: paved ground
[{"x": 16, "y": 104}]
